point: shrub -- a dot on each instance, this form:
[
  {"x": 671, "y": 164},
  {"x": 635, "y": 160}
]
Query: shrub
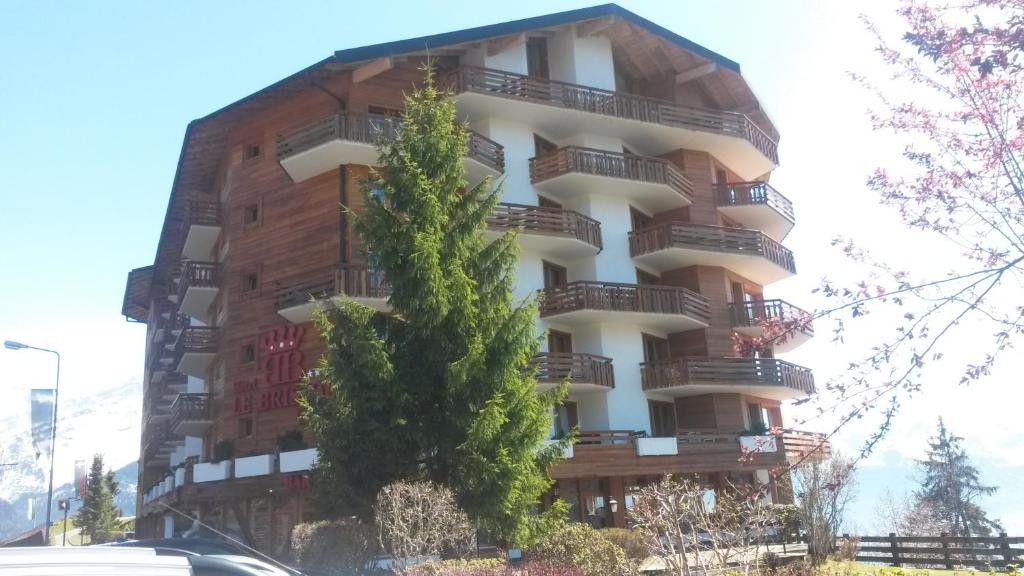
[
  {"x": 291, "y": 440},
  {"x": 223, "y": 450},
  {"x": 420, "y": 520},
  {"x": 847, "y": 549},
  {"x": 581, "y": 546},
  {"x": 492, "y": 567},
  {"x": 631, "y": 542},
  {"x": 338, "y": 547}
]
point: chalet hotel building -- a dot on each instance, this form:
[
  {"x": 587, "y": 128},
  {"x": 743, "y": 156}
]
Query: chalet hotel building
[{"x": 636, "y": 167}]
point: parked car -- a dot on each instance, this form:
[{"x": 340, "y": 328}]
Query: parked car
[
  {"x": 118, "y": 561},
  {"x": 210, "y": 548}
]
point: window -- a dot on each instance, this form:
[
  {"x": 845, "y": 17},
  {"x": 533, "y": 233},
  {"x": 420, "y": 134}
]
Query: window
[
  {"x": 655, "y": 348},
  {"x": 252, "y": 215},
  {"x": 566, "y": 418},
  {"x": 758, "y": 416},
  {"x": 559, "y": 342},
  {"x": 537, "y": 57},
  {"x": 245, "y": 427},
  {"x": 721, "y": 177},
  {"x": 248, "y": 353},
  {"x": 646, "y": 278},
  {"x": 639, "y": 219},
  {"x": 663, "y": 419},
  {"x": 554, "y": 275},
  {"x": 542, "y": 146},
  {"x": 250, "y": 282},
  {"x": 252, "y": 151},
  {"x": 547, "y": 203}
]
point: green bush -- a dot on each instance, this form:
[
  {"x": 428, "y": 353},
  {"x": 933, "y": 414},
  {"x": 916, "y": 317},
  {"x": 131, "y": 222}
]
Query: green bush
[
  {"x": 459, "y": 566},
  {"x": 491, "y": 567},
  {"x": 340, "y": 547},
  {"x": 631, "y": 542},
  {"x": 581, "y": 546}
]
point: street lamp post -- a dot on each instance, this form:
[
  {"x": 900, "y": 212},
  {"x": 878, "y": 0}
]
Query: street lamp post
[{"x": 12, "y": 345}]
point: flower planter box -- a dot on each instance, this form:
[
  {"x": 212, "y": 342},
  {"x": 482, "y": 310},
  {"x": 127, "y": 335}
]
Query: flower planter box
[
  {"x": 211, "y": 471},
  {"x": 567, "y": 453},
  {"x": 254, "y": 466},
  {"x": 758, "y": 443},
  {"x": 657, "y": 447},
  {"x": 298, "y": 460},
  {"x": 179, "y": 477}
]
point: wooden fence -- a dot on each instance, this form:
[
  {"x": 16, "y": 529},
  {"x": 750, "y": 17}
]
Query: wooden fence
[{"x": 942, "y": 551}]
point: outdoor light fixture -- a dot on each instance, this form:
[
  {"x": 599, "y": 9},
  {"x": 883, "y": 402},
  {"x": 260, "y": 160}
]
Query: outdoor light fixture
[
  {"x": 613, "y": 504},
  {"x": 12, "y": 345}
]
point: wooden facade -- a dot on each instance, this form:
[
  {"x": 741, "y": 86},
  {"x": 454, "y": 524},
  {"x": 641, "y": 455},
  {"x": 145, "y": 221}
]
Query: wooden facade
[{"x": 281, "y": 242}]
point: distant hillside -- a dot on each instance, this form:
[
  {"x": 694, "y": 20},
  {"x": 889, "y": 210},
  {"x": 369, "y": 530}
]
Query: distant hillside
[{"x": 105, "y": 421}]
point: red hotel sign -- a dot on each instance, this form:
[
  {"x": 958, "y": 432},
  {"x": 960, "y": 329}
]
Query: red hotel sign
[{"x": 281, "y": 366}]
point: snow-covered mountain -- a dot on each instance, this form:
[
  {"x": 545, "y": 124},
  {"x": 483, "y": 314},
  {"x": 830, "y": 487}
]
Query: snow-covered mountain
[{"x": 106, "y": 421}]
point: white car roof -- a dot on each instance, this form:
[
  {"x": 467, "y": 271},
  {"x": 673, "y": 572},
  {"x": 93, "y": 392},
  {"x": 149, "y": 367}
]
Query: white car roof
[{"x": 90, "y": 561}]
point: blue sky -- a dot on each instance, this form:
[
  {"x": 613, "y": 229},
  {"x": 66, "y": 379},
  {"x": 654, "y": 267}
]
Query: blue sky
[{"x": 96, "y": 98}]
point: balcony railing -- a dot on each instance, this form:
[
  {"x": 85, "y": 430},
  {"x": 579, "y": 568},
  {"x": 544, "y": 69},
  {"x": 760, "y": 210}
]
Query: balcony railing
[
  {"x": 798, "y": 444},
  {"x": 198, "y": 275},
  {"x": 613, "y": 297},
  {"x": 544, "y": 220},
  {"x": 353, "y": 280},
  {"x": 753, "y": 194},
  {"x": 725, "y": 372},
  {"x": 609, "y": 103},
  {"x": 713, "y": 238},
  {"x": 196, "y": 340},
  {"x": 202, "y": 213},
  {"x": 370, "y": 129},
  {"x": 555, "y": 367},
  {"x": 753, "y": 313},
  {"x": 159, "y": 439},
  {"x": 573, "y": 159},
  {"x": 190, "y": 407}
]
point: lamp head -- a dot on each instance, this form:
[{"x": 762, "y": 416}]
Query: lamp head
[{"x": 12, "y": 345}]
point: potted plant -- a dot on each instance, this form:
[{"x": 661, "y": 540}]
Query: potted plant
[
  {"x": 291, "y": 441},
  {"x": 223, "y": 450}
]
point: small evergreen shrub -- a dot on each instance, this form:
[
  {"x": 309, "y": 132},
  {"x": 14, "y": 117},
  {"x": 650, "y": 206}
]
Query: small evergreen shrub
[
  {"x": 582, "y": 546},
  {"x": 223, "y": 450},
  {"x": 631, "y": 542}
]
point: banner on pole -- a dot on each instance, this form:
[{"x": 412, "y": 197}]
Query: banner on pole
[
  {"x": 81, "y": 478},
  {"x": 42, "y": 421}
]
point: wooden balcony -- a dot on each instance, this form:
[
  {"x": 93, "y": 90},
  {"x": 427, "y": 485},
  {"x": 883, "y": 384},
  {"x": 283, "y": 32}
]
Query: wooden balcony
[
  {"x": 323, "y": 144},
  {"x": 167, "y": 323},
  {"x": 554, "y": 231},
  {"x": 764, "y": 377},
  {"x": 679, "y": 244},
  {"x": 159, "y": 442},
  {"x": 799, "y": 445},
  {"x": 654, "y": 184},
  {"x": 161, "y": 357},
  {"x": 585, "y": 372},
  {"x": 191, "y": 414},
  {"x": 628, "y": 453},
  {"x": 659, "y": 126},
  {"x": 202, "y": 229},
  {"x": 665, "y": 308},
  {"x": 194, "y": 350},
  {"x": 169, "y": 387},
  {"x": 756, "y": 205},
  {"x": 198, "y": 286},
  {"x": 294, "y": 299},
  {"x": 749, "y": 317}
]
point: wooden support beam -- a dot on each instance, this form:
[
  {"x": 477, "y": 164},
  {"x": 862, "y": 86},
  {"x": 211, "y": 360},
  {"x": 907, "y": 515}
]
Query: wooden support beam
[
  {"x": 499, "y": 45},
  {"x": 696, "y": 72},
  {"x": 372, "y": 68},
  {"x": 595, "y": 26}
]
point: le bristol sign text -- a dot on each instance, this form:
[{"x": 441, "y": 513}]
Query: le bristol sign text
[{"x": 280, "y": 371}]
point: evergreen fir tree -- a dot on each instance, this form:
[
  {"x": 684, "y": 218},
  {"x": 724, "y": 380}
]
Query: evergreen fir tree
[
  {"x": 951, "y": 486},
  {"x": 98, "y": 516},
  {"x": 440, "y": 388}
]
